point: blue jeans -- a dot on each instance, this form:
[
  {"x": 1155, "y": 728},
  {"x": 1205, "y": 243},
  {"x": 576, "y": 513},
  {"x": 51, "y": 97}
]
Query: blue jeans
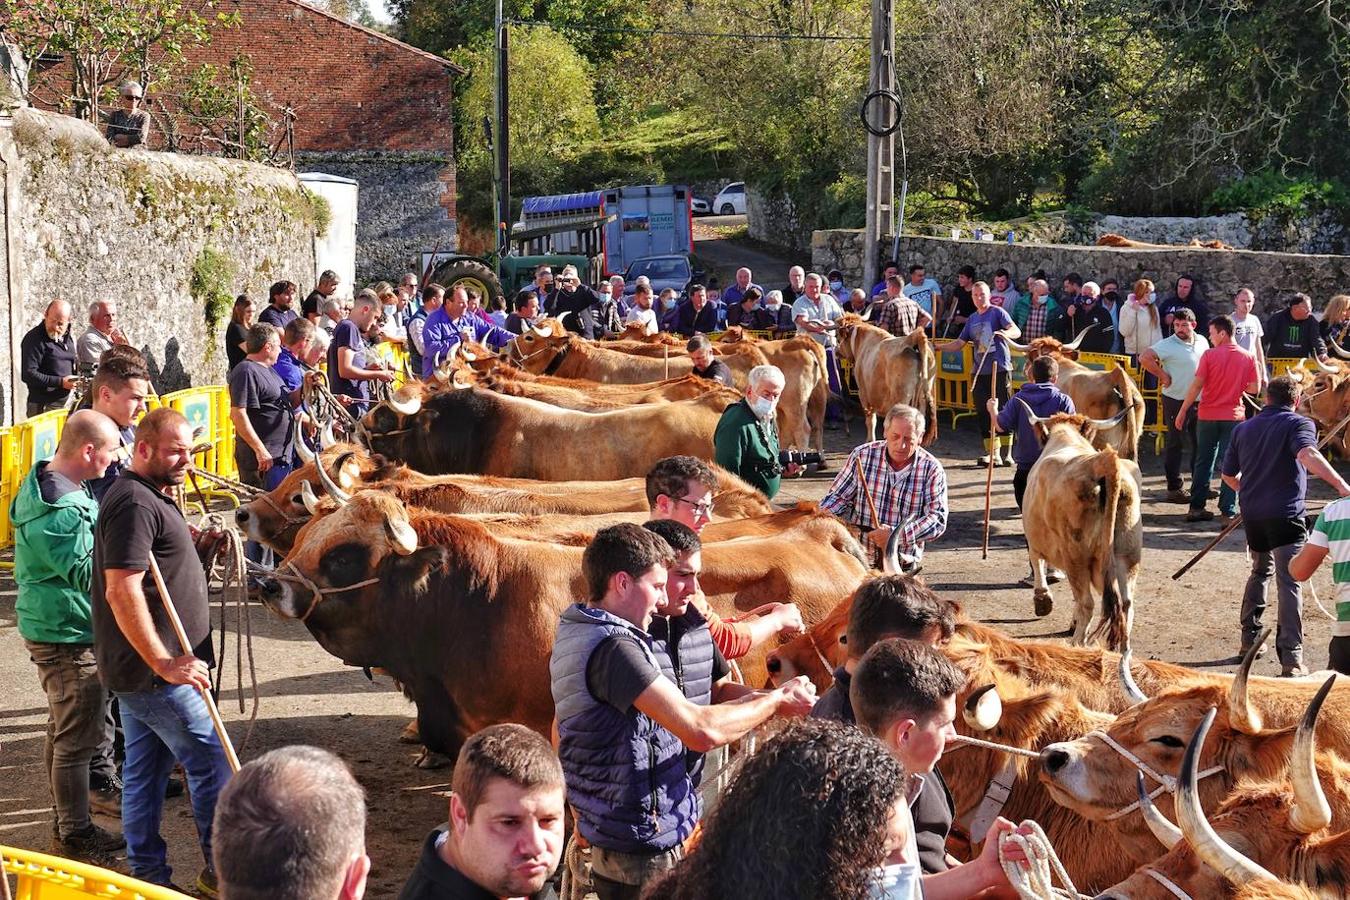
[
  {"x": 167, "y": 723},
  {"x": 1211, "y": 443}
]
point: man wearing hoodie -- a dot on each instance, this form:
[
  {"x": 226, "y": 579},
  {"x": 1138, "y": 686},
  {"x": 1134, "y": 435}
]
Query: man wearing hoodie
[
  {"x": 53, "y": 517},
  {"x": 1292, "y": 333},
  {"x": 1184, "y": 296}
]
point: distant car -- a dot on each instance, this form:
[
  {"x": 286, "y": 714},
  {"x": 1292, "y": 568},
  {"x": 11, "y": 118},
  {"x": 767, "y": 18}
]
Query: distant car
[
  {"x": 699, "y": 206},
  {"x": 730, "y": 201},
  {"x": 667, "y": 271}
]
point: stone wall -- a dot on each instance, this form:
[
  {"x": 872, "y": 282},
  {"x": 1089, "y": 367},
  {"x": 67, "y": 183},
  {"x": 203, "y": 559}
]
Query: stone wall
[
  {"x": 88, "y": 222},
  {"x": 405, "y": 204},
  {"x": 1273, "y": 276},
  {"x": 773, "y": 219}
]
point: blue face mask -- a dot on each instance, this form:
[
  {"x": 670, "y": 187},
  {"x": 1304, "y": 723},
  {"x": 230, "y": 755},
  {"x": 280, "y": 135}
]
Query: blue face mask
[{"x": 897, "y": 882}]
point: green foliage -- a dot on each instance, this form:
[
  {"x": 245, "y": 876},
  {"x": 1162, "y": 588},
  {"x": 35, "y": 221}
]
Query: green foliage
[
  {"x": 1273, "y": 193},
  {"x": 212, "y": 276},
  {"x": 219, "y": 112}
]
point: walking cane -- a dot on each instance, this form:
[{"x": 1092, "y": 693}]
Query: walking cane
[
  {"x": 177, "y": 623},
  {"x": 867, "y": 493},
  {"x": 1237, "y": 519},
  {"x": 993, "y": 448}
]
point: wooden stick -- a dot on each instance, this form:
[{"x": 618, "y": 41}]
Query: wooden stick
[
  {"x": 867, "y": 492},
  {"x": 989, "y": 472},
  {"x": 1237, "y": 519},
  {"x": 230, "y": 756}
]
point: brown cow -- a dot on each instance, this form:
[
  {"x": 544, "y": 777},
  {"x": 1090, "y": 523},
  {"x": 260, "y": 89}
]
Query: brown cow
[
  {"x": 471, "y": 430},
  {"x": 1266, "y": 830},
  {"x": 890, "y": 370},
  {"x": 1251, "y": 738},
  {"x": 1081, "y": 515},
  {"x": 1096, "y": 394},
  {"x": 573, "y": 357},
  {"x": 464, "y": 619},
  {"x": 576, "y": 394},
  {"x": 275, "y": 518},
  {"x": 1326, "y": 397}
]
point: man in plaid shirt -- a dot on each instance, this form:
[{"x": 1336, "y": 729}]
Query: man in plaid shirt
[
  {"x": 897, "y": 313},
  {"x": 905, "y": 482}
]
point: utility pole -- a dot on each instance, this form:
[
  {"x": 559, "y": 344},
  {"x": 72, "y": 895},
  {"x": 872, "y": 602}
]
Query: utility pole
[
  {"x": 881, "y": 114},
  {"x": 502, "y": 145}
]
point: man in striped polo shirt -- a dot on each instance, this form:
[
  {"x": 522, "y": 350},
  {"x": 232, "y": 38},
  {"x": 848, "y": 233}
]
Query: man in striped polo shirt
[
  {"x": 1331, "y": 537},
  {"x": 1268, "y": 459}
]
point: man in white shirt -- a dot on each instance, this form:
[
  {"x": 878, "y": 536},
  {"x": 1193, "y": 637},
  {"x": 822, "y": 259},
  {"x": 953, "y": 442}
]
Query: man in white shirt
[
  {"x": 816, "y": 312},
  {"x": 641, "y": 310}
]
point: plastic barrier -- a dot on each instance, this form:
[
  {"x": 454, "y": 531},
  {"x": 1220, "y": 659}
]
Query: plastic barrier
[
  {"x": 10, "y": 477},
  {"x": 953, "y": 384},
  {"x": 202, "y": 408},
  {"x": 396, "y": 356},
  {"x": 44, "y": 877}
]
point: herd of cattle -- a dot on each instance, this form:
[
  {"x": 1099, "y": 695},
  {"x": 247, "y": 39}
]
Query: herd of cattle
[{"x": 444, "y": 544}]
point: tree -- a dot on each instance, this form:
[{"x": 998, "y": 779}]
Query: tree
[
  {"x": 357, "y": 11},
  {"x": 107, "y": 41}
]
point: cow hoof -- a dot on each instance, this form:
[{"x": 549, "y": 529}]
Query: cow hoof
[
  {"x": 430, "y": 759},
  {"x": 1045, "y": 604},
  {"x": 410, "y": 734}
]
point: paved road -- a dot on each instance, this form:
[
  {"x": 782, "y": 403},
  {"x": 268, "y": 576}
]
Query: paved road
[{"x": 724, "y": 257}]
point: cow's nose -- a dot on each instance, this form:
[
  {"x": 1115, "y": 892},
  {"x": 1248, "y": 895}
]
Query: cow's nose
[
  {"x": 270, "y": 586},
  {"x": 1053, "y": 759},
  {"x": 241, "y": 516}
]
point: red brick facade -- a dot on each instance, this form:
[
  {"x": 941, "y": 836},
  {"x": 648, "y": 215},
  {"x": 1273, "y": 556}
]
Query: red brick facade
[{"x": 351, "y": 88}]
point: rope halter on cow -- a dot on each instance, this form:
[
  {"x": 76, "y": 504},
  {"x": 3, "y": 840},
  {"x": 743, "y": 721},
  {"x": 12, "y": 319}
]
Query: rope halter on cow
[
  {"x": 1166, "y": 783},
  {"x": 320, "y": 594}
]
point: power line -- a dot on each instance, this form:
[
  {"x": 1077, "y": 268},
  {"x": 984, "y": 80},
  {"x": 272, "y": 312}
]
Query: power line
[{"x": 727, "y": 35}]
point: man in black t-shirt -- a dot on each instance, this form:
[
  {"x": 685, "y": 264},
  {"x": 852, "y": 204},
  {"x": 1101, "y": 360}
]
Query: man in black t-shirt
[
  {"x": 280, "y": 309},
  {"x": 705, "y": 364},
  {"x": 262, "y": 411},
  {"x": 313, "y": 303},
  {"x": 157, "y": 682}
]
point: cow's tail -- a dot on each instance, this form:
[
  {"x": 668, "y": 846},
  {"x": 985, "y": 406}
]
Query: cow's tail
[
  {"x": 1133, "y": 403},
  {"x": 924, "y": 399},
  {"x": 1114, "y": 624}
]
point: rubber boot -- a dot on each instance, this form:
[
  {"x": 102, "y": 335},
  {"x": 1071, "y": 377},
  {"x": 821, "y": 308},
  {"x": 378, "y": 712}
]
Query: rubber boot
[
  {"x": 989, "y": 447},
  {"x": 1006, "y": 441}
]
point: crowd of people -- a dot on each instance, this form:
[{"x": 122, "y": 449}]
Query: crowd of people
[{"x": 641, "y": 666}]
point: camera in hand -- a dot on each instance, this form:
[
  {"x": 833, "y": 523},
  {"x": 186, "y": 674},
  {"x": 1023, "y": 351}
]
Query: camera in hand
[{"x": 800, "y": 457}]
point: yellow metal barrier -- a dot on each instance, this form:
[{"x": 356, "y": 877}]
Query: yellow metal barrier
[
  {"x": 202, "y": 408},
  {"x": 953, "y": 384},
  {"x": 44, "y": 877},
  {"x": 10, "y": 478}
]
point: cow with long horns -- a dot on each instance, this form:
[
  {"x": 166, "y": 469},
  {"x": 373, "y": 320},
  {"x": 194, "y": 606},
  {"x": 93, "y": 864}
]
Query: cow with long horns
[
  {"x": 889, "y": 370},
  {"x": 1266, "y": 834}
]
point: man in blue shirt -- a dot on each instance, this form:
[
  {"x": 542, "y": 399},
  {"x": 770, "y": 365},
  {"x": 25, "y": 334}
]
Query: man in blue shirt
[
  {"x": 1266, "y": 459},
  {"x": 735, "y": 294},
  {"x": 296, "y": 338},
  {"x": 925, "y": 291},
  {"x": 450, "y": 324},
  {"x": 989, "y": 330}
]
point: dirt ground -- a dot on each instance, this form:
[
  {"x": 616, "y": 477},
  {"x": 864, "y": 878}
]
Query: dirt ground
[{"x": 310, "y": 697}]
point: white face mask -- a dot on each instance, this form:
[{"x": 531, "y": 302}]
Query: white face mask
[
  {"x": 762, "y": 408},
  {"x": 897, "y": 882},
  {"x": 772, "y": 307},
  {"x": 668, "y": 303}
]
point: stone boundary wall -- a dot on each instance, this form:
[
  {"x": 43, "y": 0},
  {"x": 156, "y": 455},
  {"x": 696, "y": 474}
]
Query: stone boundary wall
[
  {"x": 84, "y": 221},
  {"x": 1273, "y": 276},
  {"x": 405, "y": 203}
]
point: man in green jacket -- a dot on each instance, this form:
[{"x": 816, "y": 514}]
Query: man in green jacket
[
  {"x": 53, "y": 517},
  {"x": 746, "y": 439}
]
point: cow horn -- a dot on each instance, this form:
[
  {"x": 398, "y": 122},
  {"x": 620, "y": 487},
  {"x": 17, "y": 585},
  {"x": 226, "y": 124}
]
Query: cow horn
[
  {"x": 1241, "y": 714},
  {"x": 890, "y": 560},
  {"x": 541, "y": 331},
  {"x": 301, "y": 448},
  {"x": 1127, "y": 682},
  {"x": 1330, "y": 370},
  {"x": 408, "y": 407},
  {"x": 867, "y": 314},
  {"x": 402, "y": 535},
  {"x": 1031, "y": 416},
  {"x": 340, "y": 464},
  {"x": 1339, "y": 351},
  {"x": 1112, "y": 422},
  {"x": 468, "y": 356},
  {"x": 307, "y": 497},
  {"x": 1311, "y": 812},
  {"x": 983, "y": 708},
  {"x": 329, "y": 486},
  {"x": 456, "y": 383},
  {"x": 1078, "y": 340},
  {"x": 1208, "y": 846},
  {"x": 1166, "y": 833},
  {"x": 326, "y": 437},
  {"x": 562, "y": 320},
  {"x": 436, "y": 360},
  {"x": 1020, "y": 348}
]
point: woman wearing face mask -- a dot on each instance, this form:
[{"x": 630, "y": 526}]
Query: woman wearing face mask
[
  {"x": 820, "y": 811},
  {"x": 1140, "y": 326},
  {"x": 746, "y": 439},
  {"x": 776, "y": 316}
]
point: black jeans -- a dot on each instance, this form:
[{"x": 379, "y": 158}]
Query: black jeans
[
  {"x": 980, "y": 391},
  {"x": 1176, "y": 442},
  {"x": 1020, "y": 484}
]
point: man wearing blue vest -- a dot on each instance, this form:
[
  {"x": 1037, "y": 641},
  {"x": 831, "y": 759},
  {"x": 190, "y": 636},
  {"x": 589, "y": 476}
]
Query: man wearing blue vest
[{"x": 625, "y": 728}]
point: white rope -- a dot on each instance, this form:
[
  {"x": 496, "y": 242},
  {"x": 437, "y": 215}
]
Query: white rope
[
  {"x": 1032, "y": 879},
  {"x": 991, "y": 745},
  {"x": 1316, "y": 600},
  {"x": 1170, "y": 885},
  {"x": 1166, "y": 783}
]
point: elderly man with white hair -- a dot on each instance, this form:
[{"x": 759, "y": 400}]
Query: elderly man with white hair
[
  {"x": 734, "y": 294},
  {"x": 902, "y": 482},
  {"x": 746, "y": 439},
  {"x": 101, "y": 334},
  {"x": 47, "y": 360},
  {"x": 1086, "y": 313}
]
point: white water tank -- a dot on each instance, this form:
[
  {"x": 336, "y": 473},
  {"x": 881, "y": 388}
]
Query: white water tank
[{"x": 336, "y": 249}]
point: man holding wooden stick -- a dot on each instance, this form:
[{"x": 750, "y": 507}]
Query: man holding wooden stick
[
  {"x": 162, "y": 688},
  {"x": 1269, "y": 457}
]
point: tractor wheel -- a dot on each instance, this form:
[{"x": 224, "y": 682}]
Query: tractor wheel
[{"x": 469, "y": 273}]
